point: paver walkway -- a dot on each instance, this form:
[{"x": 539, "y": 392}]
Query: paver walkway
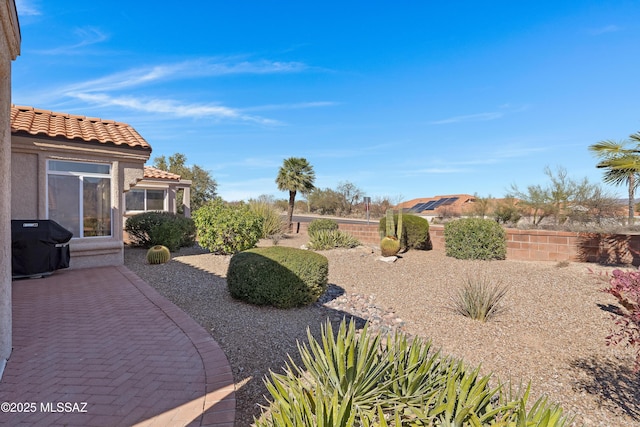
[{"x": 100, "y": 347}]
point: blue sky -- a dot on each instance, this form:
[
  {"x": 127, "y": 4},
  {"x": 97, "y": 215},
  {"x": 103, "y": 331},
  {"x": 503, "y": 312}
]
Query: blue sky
[{"x": 404, "y": 99}]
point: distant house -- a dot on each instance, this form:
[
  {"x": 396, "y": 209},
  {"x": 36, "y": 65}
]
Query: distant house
[
  {"x": 79, "y": 171},
  {"x": 158, "y": 191},
  {"x": 436, "y": 206}
]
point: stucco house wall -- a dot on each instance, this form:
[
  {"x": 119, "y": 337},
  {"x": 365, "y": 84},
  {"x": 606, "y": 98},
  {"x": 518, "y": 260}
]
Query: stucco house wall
[
  {"x": 32, "y": 147},
  {"x": 9, "y": 50}
]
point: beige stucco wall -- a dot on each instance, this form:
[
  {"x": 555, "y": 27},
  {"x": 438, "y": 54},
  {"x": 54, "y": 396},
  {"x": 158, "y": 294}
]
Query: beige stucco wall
[
  {"x": 32, "y": 153},
  {"x": 9, "y": 50},
  {"x": 24, "y": 181}
]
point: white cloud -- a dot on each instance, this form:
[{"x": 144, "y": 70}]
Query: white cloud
[
  {"x": 98, "y": 92},
  {"x": 604, "y": 30},
  {"x": 248, "y": 189},
  {"x": 250, "y": 163},
  {"x": 435, "y": 170},
  {"x": 27, "y": 8},
  {"x": 205, "y": 67},
  {"x": 483, "y": 117},
  {"x": 87, "y": 36},
  {"x": 480, "y": 117},
  {"x": 174, "y": 108},
  {"x": 296, "y": 106}
]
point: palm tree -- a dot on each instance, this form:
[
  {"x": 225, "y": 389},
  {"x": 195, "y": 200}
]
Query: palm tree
[
  {"x": 621, "y": 161},
  {"x": 295, "y": 174}
]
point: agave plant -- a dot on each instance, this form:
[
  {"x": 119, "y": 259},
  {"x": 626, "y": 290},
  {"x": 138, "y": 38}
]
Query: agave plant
[{"x": 356, "y": 379}]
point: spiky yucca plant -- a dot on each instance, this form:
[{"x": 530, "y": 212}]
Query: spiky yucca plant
[
  {"x": 357, "y": 379},
  {"x": 330, "y": 239},
  {"x": 479, "y": 298},
  {"x": 158, "y": 254}
]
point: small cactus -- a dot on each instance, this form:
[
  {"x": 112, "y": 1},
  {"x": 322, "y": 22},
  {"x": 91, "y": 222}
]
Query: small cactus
[
  {"x": 391, "y": 227},
  {"x": 158, "y": 255},
  {"x": 399, "y": 230},
  {"x": 389, "y": 246}
]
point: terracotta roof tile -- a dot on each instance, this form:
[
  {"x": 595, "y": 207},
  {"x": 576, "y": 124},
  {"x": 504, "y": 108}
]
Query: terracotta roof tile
[
  {"x": 151, "y": 172},
  {"x": 44, "y": 122}
]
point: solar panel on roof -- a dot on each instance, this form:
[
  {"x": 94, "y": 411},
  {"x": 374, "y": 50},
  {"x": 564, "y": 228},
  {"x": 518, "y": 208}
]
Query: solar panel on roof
[
  {"x": 429, "y": 205},
  {"x": 420, "y": 206},
  {"x": 450, "y": 200}
]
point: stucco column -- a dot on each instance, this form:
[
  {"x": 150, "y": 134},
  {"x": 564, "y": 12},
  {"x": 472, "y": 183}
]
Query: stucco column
[
  {"x": 9, "y": 50},
  {"x": 186, "y": 201}
]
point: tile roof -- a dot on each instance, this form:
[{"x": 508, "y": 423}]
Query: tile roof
[
  {"x": 151, "y": 172},
  {"x": 48, "y": 123}
]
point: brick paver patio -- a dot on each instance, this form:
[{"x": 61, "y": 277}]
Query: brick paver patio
[{"x": 100, "y": 347}]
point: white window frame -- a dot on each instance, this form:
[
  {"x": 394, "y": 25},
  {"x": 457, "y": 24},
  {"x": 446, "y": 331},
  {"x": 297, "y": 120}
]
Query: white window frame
[
  {"x": 165, "y": 200},
  {"x": 81, "y": 176}
]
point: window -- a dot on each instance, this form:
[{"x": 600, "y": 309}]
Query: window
[
  {"x": 145, "y": 200},
  {"x": 79, "y": 197}
]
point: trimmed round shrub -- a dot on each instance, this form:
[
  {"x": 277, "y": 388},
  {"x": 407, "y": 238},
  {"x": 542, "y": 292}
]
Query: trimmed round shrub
[
  {"x": 279, "y": 276},
  {"x": 227, "y": 229},
  {"x": 415, "y": 231},
  {"x": 475, "y": 238},
  {"x": 323, "y": 224},
  {"x": 161, "y": 228}
]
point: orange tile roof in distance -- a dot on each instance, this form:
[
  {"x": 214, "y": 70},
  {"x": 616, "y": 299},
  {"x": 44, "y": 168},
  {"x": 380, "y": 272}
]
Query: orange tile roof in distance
[
  {"x": 48, "y": 123},
  {"x": 151, "y": 172}
]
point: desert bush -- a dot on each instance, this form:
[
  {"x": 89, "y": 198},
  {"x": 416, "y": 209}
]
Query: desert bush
[
  {"x": 475, "y": 238},
  {"x": 359, "y": 379},
  {"x": 227, "y": 229},
  {"x": 415, "y": 231},
  {"x": 479, "y": 298},
  {"x": 330, "y": 239},
  {"x": 279, "y": 276},
  {"x": 506, "y": 211},
  {"x": 161, "y": 228},
  {"x": 272, "y": 223},
  {"x": 323, "y": 224},
  {"x": 625, "y": 286}
]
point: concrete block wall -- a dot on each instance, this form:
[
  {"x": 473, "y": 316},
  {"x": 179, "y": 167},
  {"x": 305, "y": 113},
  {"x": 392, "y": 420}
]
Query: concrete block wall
[
  {"x": 547, "y": 245},
  {"x": 533, "y": 245},
  {"x": 367, "y": 234}
]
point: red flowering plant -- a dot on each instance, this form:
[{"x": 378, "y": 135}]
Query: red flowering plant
[{"x": 625, "y": 286}]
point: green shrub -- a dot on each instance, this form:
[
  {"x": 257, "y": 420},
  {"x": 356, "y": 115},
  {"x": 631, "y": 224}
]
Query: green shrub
[
  {"x": 479, "y": 298},
  {"x": 272, "y": 224},
  {"x": 161, "y": 228},
  {"x": 227, "y": 229},
  {"x": 329, "y": 239},
  {"x": 475, "y": 238},
  {"x": 318, "y": 225},
  {"x": 279, "y": 276},
  {"x": 415, "y": 231},
  {"x": 349, "y": 379}
]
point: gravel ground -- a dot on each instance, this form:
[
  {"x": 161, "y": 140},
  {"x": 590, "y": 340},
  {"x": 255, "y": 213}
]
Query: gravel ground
[{"x": 552, "y": 332}]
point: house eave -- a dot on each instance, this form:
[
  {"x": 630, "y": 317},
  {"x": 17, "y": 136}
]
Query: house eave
[{"x": 11, "y": 27}]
